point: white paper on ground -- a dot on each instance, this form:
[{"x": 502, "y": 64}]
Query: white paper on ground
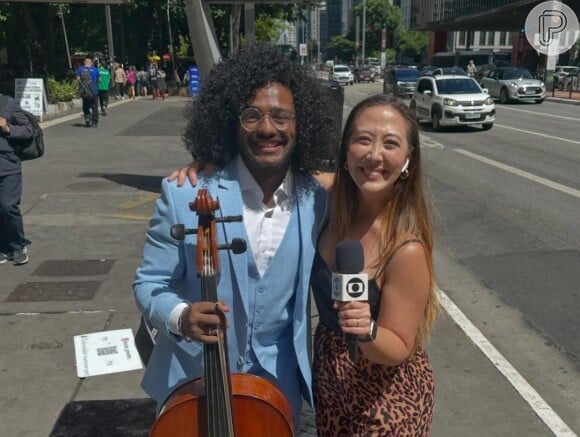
[{"x": 99, "y": 353}]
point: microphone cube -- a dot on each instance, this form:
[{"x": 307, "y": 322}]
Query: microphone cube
[{"x": 350, "y": 287}]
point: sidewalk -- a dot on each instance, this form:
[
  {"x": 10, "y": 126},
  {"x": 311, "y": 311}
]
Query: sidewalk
[
  {"x": 563, "y": 97},
  {"x": 86, "y": 207}
]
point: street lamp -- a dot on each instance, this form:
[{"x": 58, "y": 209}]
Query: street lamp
[
  {"x": 61, "y": 16},
  {"x": 364, "y": 28}
]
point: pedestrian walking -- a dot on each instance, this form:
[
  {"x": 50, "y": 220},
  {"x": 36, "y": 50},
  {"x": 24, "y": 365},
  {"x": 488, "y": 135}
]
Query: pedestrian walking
[
  {"x": 131, "y": 79},
  {"x": 88, "y": 78},
  {"x": 120, "y": 80},
  {"x": 153, "y": 74},
  {"x": 14, "y": 125},
  {"x": 103, "y": 87},
  {"x": 471, "y": 69}
]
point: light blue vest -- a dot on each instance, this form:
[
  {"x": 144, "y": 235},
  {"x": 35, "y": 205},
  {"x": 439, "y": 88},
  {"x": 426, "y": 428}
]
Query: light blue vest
[{"x": 270, "y": 346}]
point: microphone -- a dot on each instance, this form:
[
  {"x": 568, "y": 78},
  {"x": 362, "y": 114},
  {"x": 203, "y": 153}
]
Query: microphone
[{"x": 348, "y": 284}]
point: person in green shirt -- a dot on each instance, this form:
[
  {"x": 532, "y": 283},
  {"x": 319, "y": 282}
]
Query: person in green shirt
[{"x": 103, "y": 87}]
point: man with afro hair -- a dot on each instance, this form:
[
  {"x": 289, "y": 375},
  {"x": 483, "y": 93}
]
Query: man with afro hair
[{"x": 265, "y": 124}]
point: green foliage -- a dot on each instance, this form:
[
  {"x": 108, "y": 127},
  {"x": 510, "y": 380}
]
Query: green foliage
[
  {"x": 342, "y": 47},
  {"x": 61, "y": 91},
  {"x": 413, "y": 43},
  {"x": 269, "y": 29}
]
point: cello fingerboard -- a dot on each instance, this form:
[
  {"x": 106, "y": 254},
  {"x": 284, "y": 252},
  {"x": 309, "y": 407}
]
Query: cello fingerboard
[{"x": 219, "y": 416}]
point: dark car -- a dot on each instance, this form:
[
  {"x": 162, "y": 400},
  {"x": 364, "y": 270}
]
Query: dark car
[
  {"x": 364, "y": 74},
  {"x": 449, "y": 70},
  {"x": 400, "y": 81}
]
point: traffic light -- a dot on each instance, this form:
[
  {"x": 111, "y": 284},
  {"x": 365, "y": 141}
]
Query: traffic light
[
  {"x": 522, "y": 30},
  {"x": 384, "y": 23}
]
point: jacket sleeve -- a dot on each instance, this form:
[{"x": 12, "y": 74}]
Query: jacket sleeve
[
  {"x": 20, "y": 127},
  {"x": 162, "y": 270}
]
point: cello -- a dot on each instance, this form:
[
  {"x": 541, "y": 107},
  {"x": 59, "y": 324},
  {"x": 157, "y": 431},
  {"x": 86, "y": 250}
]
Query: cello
[{"x": 220, "y": 404}]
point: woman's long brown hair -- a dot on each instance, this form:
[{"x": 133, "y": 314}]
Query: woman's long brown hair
[{"x": 405, "y": 214}]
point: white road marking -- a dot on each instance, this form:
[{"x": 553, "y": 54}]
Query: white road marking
[
  {"x": 541, "y": 114},
  {"x": 526, "y": 391},
  {"x": 530, "y": 132},
  {"x": 524, "y": 174}
]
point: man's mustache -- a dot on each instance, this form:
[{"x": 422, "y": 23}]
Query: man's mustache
[{"x": 281, "y": 137}]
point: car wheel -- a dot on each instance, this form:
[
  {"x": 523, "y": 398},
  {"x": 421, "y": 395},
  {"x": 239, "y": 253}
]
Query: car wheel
[
  {"x": 504, "y": 96},
  {"x": 487, "y": 126},
  {"x": 436, "y": 119},
  {"x": 539, "y": 101}
]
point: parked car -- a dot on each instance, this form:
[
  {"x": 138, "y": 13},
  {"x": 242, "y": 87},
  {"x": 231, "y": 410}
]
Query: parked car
[
  {"x": 572, "y": 80},
  {"x": 342, "y": 74},
  {"x": 560, "y": 74},
  {"x": 449, "y": 70},
  {"x": 514, "y": 83},
  {"x": 377, "y": 70},
  {"x": 427, "y": 70},
  {"x": 452, "y": 100},
  {"x": 364, "y": 74},
  {"x": 400, "y": 81}
]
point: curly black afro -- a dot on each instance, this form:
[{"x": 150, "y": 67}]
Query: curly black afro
[{"x": 212, "y": 118}]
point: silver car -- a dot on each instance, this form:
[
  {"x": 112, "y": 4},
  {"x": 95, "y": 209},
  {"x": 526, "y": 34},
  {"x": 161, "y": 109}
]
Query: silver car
[{"x": 513, "y": 83}]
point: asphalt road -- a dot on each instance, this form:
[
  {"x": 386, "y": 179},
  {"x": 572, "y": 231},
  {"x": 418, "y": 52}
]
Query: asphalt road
[{"x": 505, "y": 351}]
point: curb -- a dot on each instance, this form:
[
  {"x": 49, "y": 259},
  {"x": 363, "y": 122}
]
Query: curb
[{"x": 561, "y": 100}]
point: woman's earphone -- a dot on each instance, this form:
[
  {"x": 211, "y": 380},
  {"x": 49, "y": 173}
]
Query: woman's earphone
[{"x": 405, "y": 166}]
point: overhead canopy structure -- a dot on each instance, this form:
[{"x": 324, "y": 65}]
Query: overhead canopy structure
[
  {"x": 84, "y": 2},
  {"x": 465, "y": 15}
]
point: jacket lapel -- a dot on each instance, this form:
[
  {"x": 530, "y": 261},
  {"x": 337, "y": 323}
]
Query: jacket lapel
[{"x": 230, "y": 198}]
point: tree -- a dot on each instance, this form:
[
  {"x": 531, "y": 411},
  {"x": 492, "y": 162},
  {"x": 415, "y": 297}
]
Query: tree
[
  {"x": 381, "y": 13},
  {"x": 412, "y": 44},
  {"x": 341, "y": 48}
]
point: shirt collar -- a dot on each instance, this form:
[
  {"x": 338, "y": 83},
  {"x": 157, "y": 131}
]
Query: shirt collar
[{"x": 248, "y": 184}]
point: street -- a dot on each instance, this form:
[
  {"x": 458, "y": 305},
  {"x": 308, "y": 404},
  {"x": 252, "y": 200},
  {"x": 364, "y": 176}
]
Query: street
[{"x": 506, "y": 352}]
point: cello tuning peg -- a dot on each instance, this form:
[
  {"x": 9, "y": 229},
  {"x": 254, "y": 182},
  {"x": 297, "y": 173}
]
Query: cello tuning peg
[
  {"x": 238, "y": 245},
  {"x": 178, "y": 232}
]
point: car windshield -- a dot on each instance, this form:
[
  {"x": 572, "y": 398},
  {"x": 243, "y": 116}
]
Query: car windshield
[
  {"x": 517, "y": 73},
  {"x": 453, "y": 70},
  {"x": 410, "y": 74},
  {"x": 341, "y": 69},
  {"x": 457, "y": 86}
]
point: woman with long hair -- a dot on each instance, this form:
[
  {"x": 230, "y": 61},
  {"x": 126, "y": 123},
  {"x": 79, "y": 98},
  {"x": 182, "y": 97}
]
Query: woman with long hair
[{"x": 377, "y": 198}]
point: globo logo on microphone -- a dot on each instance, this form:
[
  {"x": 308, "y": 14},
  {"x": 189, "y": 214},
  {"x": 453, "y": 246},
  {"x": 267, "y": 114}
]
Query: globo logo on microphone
[
  {"x": 349, "y": 287},
  {"x": 355, "y": 288}
]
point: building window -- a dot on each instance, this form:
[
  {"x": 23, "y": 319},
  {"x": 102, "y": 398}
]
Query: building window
[
  {"x": 490, "y": 38},
  {"x": 481, "y": 38},
  {"x": 502, "y": 38},
  {"x": 462, "y": 38},
  {"x": 510, "y": 39}
]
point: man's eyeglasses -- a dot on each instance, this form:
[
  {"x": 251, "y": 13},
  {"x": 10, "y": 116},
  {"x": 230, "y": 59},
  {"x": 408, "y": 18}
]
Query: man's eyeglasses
[{"x": 280, "y": 118}]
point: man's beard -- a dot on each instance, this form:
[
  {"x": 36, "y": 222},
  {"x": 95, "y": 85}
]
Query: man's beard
[{"x": 254, "y": 164}]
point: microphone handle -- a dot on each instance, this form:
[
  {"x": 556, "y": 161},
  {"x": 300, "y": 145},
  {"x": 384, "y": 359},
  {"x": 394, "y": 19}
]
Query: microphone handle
[{"x": 352, "y": 343}]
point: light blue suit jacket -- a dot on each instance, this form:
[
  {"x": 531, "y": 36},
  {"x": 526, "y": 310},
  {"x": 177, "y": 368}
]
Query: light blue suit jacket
[{"x": 167, "y": 276}]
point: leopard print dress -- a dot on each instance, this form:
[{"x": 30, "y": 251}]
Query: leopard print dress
[{"x": 363, "y": 398}]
